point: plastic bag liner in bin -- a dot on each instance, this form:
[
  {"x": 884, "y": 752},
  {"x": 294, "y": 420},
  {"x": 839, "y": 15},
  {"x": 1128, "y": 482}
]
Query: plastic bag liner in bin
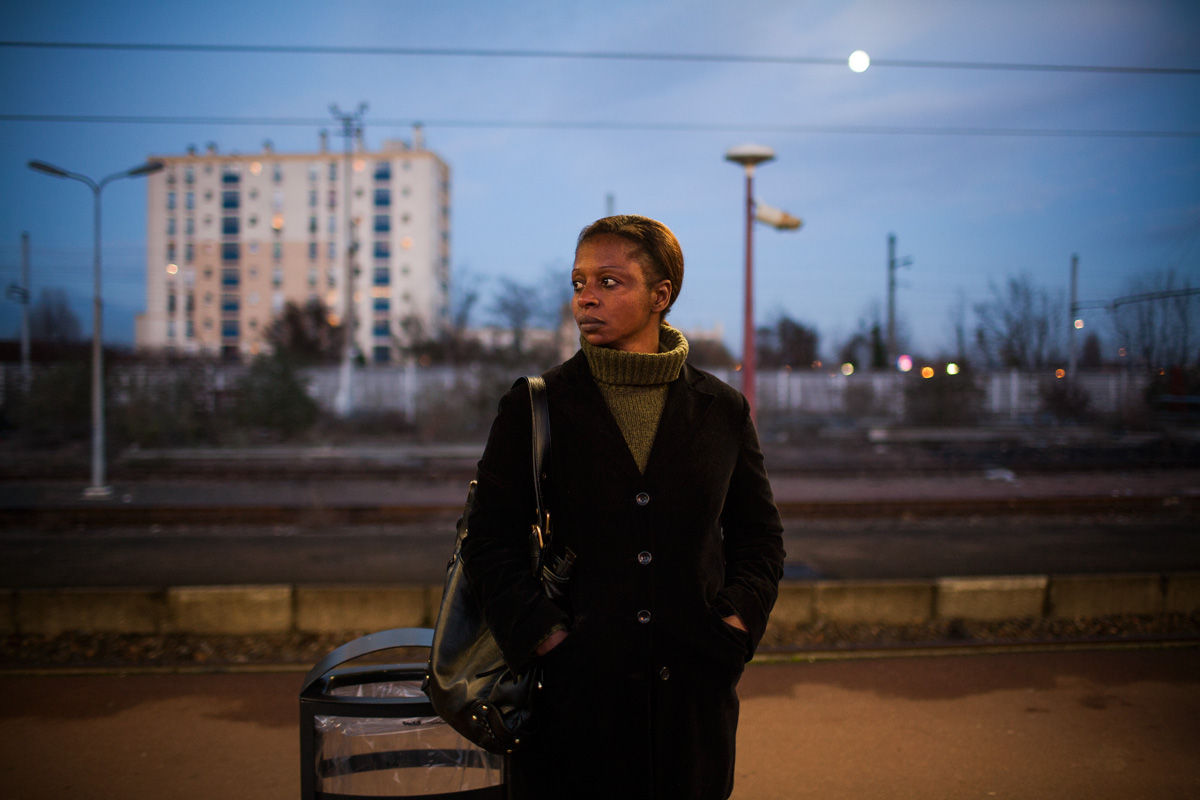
[{"x": 370, "y": 732}]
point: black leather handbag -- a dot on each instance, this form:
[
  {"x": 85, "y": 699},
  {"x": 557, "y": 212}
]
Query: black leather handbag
[{"x": 468, "y": 682}]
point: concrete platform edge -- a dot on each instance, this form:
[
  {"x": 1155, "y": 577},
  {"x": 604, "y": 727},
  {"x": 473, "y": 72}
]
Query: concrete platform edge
[{"x": 282, "y": 608}]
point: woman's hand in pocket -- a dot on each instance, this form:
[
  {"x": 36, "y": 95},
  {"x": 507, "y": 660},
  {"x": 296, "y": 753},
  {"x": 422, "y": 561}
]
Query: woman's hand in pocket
[{"x": 735, "y": 621}]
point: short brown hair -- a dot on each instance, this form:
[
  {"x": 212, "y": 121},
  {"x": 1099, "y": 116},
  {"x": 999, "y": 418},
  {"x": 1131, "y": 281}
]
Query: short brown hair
[{"x": 661, "y": 255}]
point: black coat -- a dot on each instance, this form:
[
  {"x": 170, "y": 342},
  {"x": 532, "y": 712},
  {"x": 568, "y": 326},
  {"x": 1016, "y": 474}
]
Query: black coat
[{"x": 639, "y": 701}]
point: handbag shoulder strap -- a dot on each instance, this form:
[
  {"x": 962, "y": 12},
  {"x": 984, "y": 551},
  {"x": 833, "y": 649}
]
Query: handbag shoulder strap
[{"x": 541, "y": 437}]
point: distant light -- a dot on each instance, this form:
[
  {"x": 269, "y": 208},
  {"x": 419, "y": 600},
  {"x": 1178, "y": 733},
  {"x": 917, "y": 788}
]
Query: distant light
[
  {"x": 333, "y": 319},
  {"x": 406, "y": 242},
  {"x": 952, "y": 369},
  {"x": 737, "y": 367},
  {"x": 359, "y": 165},
  {"x": 904, "y": 363},
  {"x": 255, "y": 167},
  {"x": 1060, "y": 373},
  {"x": 816, "y": 365},
  {"x": 847, "y": 368},
  {"x": 1121, "y": 352},
  {"x": 1078, "y": 324},
  {"x": 926, "y": 372},
  {"x": 172, "y": 269},
  {"x": 859, "y": 61}
]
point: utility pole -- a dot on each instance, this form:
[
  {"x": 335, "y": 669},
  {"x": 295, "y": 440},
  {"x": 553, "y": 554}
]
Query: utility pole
[
  {"x": 26, "y": 367},
  {"x": 343, "y": 402},
  {"x": 1071, "y": 352},
  {"x": 891, "y": 301}
]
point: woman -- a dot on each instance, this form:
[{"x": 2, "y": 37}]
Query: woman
[{"x": 656, "y": 483}]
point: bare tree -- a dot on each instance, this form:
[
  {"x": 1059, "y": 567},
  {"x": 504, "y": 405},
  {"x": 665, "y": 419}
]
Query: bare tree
[
  {"x": 1020, "y": 326},
  {"x": 305, "y": 333},
  {"x": 1163, "y": 331},
  {"x": 52, "y": 320},
  {"x": 514, "y": 305}
]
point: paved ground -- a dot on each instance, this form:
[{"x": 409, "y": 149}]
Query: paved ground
[{"x": 1097, "y": 725}]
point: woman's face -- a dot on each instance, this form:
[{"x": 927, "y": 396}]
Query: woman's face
[{"x": 612, "y": 304}]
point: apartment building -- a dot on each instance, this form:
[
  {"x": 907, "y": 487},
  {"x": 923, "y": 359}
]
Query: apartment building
[{"x": 232, "y": 238}]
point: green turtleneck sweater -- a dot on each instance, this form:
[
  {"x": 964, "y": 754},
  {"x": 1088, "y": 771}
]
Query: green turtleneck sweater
[{"x": 634, "y": 386}]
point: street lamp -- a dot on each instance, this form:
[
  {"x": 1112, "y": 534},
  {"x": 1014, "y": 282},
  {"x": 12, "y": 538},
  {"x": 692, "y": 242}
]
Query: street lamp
[
  {"x": 97, "y": 490},
  {"x": 749, "y": 156}
]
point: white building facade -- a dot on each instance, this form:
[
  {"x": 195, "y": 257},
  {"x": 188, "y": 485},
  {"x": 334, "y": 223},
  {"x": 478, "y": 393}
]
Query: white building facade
[{"x": 232, "y": 238}]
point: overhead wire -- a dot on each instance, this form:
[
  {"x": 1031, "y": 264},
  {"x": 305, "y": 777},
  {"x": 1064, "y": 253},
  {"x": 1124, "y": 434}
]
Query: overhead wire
[
  {"x": 594, "y": 55},
  {"x": 672, "y": 127}
]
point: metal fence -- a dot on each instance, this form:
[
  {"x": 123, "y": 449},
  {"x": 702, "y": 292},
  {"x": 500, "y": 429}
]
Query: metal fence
[{"x": 414, "y": 393}]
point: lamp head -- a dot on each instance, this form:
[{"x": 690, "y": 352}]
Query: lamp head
[
  {"x": 749, "y": 155},
  {"x": 49, "y": 169}
]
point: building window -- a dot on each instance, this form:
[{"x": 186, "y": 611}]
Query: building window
[
  {"x": 189, "y": 226},
  {"x": 229, "y": 226},
  {"x": 229, "y": 328},
  {"x": 383, "y": 223},
  {"x": 231, "y": 200},
  {"x": 382, "y": 304},
  {"x": 189, "y": 329},
  {"x": 189, "y": 303},
  {"x": 170, "y": 201},
  {"x": 333, "y": 170},
  {"x": 171, "y": 303},
  {"x": 189, "y": 253},
  {"x": 381, "y": 354},
  {"x": 332, "y": 224},
  {"x": 383, "y": 250},
  {"x": 231, "y": 251},
  {"x": 277, "y": 200},
  {"x": 312, "y": 198},
  {"x": 230, "y": 277},
  {"x": 383, "y": 170},
  {"x": 277, "y": 173},
  {"x": 312, "y": 224},
  {"x": 277, "y": 277},
  {"x": 191, "y": 200},
  {"x": 312, "y": 251},
  {"x": 312, "y": 277},
  {"x": 170, "y": 329},
  {"x": 190, "y": 175},
  {"x": 381, "y": 328},
  {"x": 383, "y": 198},
  {"x": 170, "y": 226},
  {"x": 332, "y": 199},
  {"x": 170, "y": 251},
  {"x": 230, "y": 176},
  {"x": 383, "y": 276},
  {"x": 254, "y": 248},
  {"x": 332, "y": 250},
  {"x": 229, "y": 303},
  {"x": 277, "y": 250}
]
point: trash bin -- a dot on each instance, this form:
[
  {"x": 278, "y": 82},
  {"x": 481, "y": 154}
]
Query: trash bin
[{"x": 370, "y": 731}]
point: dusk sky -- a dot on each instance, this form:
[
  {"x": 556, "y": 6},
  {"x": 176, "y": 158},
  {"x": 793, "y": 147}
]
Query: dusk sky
[{"x": 982, "y": 174}]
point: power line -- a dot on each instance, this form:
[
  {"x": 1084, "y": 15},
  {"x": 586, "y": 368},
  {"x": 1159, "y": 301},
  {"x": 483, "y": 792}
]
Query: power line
[
  {"x": 663, "y": 127},
  {"x": 593, "y": 55}
]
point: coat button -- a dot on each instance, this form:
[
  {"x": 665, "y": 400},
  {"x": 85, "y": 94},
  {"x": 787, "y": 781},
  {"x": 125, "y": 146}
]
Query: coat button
[
  {"x": 642, "y": 498},
  {"x": 643, "y": 617},
  {"x": 664, "y": 673},
  {"x": 644, "y": 558}
]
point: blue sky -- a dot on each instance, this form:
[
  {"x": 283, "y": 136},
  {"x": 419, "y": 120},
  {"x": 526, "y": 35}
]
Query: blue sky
[{"x": 969, "y": 209}]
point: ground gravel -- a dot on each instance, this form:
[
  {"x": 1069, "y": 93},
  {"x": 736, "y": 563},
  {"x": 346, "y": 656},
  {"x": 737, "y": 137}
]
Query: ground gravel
[{"x": 189, "y": 651}]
